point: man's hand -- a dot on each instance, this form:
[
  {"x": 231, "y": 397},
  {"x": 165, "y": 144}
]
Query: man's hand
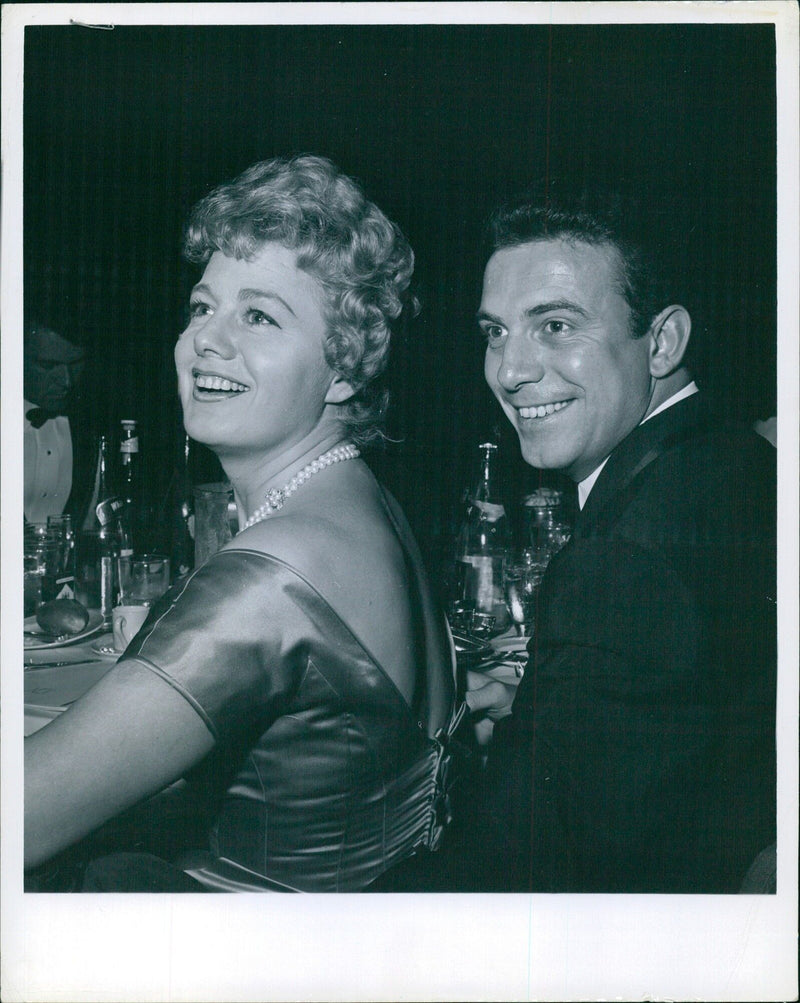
[{"x": 488, "y": 700}]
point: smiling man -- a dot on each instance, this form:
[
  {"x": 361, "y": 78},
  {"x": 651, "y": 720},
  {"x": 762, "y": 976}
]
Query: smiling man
[{"x": 638, "y": 755}]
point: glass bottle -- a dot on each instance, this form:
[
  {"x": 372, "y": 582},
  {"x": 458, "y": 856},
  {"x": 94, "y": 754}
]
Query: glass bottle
[
  {"x": 179, "y": 514},
  {"x": 110, "y": 540},
  {"x": 129, "y": 465},
  {"x": 101, "y": 539},
  {"x": 102, "y": 488},
  {"x": 484, "y": 542}
]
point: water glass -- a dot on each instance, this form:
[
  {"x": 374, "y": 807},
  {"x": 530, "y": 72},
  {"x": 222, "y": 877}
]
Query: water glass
[
  {"x": 215, "y": 520},
  {"x": 143, "y": 578},
  {"x": 34, "y": 570},
  {"x": 58, "y": 581},
  {"x": 521, "y": 581},
  {"x": 46, "y": 562}
]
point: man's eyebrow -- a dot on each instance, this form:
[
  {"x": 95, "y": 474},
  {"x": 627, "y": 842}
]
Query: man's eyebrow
[
  {"x": 537, "y": 311},
  {"x": 542, "y": 308},
  {"x": 251, "y": 294}
]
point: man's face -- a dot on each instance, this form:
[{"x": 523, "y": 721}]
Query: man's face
[
  {"x": 52, "y": 367},
  {"x": 560, "y": 357}
]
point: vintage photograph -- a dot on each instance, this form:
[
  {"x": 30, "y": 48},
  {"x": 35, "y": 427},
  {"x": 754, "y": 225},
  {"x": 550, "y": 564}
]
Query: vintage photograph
[{"x": 398, "y": 411}]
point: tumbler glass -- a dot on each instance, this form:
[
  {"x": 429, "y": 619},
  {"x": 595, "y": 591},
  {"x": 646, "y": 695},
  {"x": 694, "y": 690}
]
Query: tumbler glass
[
  {"x": 214, "y": 519},
  {"x": 34, "y": 564},
  {"x": 143, "y": 578},
  {"x": 521, "y": 581}
]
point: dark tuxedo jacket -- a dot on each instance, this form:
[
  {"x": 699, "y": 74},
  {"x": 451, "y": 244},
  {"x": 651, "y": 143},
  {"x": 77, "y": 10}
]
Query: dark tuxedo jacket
[{"x": 640, "y": 755}]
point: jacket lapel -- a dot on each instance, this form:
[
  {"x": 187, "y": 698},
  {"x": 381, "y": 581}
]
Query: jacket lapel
[{"x": 631, "y": 457}]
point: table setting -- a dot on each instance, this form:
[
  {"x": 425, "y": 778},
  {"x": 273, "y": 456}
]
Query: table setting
[
  {"x": 87, "y": 587},
  {"x": 69, "y": 646},
  {"x": 88, "y": 592}
]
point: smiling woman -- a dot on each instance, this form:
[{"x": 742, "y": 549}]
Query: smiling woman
[
  {"x": 251, "y": 364},
  {"x": 301, "y": 681}
]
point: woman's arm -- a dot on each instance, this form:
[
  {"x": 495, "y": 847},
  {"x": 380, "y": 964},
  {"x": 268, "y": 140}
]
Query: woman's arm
[{"x": 129, "y": 737}]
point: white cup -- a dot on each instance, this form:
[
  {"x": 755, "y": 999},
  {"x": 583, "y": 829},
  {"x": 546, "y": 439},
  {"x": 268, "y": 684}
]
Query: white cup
[{"x": 127, "y": 621}]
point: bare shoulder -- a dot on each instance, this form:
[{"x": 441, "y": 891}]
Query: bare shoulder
[
  {"x": 334, "y": 537},
  {"x": 295, "y": 537}
]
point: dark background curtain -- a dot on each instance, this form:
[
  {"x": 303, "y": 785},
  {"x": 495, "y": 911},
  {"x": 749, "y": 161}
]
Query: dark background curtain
[{"x": 125, "y": 129}]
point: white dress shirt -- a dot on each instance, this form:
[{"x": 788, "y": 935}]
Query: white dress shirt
[
  {"x": 586, "y": 485},
  {"x": 47, "y": 467}
]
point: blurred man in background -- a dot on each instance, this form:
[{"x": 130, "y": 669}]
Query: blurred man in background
[{"x": 52, "y": 368}]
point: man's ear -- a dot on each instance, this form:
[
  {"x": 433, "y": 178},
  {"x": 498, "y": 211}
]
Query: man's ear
[
  {"x": 339, "y": 391},
  {"x": 670, "y": 333}
]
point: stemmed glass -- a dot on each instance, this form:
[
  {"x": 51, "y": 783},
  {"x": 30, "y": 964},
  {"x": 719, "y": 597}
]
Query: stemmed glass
[{"x": 521, "y": 580}]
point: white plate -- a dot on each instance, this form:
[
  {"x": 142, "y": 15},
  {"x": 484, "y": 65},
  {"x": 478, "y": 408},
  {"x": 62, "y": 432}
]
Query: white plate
[{"x": 94, "y": 626}]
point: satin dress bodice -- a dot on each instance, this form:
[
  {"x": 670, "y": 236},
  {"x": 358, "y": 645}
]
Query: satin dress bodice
[{"x": 321, "y": 774}]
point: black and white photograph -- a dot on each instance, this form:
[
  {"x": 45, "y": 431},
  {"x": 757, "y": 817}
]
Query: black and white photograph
[{"x": 399, "y": 501}]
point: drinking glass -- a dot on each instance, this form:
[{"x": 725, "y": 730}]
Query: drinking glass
[
  {"x": 521, "y": 580},
  {"x": 58, "y": 581},
  {"x": 143, "y": 578},
  {"x": 42, "y": 553},
  {"x": 214, "y": 519},
  {"x": 34, "y": 565}
]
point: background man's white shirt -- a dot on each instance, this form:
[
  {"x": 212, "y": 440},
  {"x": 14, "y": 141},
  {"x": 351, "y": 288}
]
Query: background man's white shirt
[{"x": 47, "y": 467}]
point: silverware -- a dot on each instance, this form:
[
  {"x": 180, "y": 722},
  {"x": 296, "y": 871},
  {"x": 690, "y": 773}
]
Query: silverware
[{"x": 55, "y": 665}]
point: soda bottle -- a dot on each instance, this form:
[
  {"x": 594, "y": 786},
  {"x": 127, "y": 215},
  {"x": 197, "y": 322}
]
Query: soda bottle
[
  {"x": 179, "y": 514},
  {"x": 101, "y": 539},
  {"x": 110, "y": 539},
  {"x": 484, "y": 542},
  {"x": 130, "y": 491}
]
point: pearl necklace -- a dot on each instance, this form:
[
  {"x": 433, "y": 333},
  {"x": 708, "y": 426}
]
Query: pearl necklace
[{"x": 276, "y": 497}]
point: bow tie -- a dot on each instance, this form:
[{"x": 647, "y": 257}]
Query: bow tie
[{"x": 37, "y": 416}]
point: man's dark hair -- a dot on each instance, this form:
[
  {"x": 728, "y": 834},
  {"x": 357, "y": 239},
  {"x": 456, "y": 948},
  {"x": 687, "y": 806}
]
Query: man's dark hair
[{"x": 599, "y": 217}]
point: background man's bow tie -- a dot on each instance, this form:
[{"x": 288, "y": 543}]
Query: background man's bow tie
[{"x": 37, "y": 416}]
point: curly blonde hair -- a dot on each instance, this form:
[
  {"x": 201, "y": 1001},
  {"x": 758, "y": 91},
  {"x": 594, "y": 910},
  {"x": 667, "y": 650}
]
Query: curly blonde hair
[{"x": 360, "y": 258}]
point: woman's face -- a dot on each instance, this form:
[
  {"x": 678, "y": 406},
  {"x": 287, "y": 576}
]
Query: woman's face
[{"x": 252, "y": 373}]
